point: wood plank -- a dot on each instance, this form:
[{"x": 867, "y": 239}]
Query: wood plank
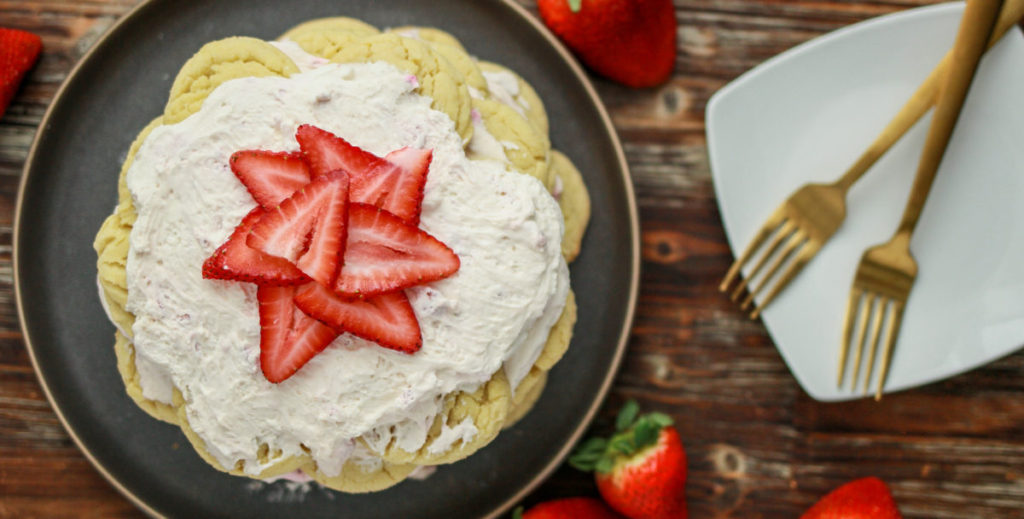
[{"x": 758, "y": 446}]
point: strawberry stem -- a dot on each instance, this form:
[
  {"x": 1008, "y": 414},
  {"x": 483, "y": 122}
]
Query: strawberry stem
[{"x": 575, "y": 5}]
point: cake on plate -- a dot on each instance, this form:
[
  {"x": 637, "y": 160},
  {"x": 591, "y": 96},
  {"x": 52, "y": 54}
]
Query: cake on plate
[{"x": 342, "y": 255}]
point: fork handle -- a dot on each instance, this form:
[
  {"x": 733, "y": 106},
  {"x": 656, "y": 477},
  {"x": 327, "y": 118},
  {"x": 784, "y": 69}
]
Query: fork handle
[
  {"x": 975, "y": 28},
  {"x": 922, "y": 100}
]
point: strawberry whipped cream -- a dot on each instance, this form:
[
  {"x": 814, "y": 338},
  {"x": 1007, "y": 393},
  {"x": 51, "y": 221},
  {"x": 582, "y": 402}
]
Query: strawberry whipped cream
[{"x": 202, "y": 336}]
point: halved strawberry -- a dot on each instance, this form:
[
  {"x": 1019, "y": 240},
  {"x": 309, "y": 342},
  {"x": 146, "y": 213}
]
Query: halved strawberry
[
  {"x": 384, "y": 254},
  {"x": 396, "y": 183},
  {"x": 288, "y": 337},
  {"x": 237, "y": 261},
  {"x": 387, "y": 319},
  {"x": 270, "y": 176},
  {"x": 308, "y": 228},
  {"x": 327, "y": 152}
]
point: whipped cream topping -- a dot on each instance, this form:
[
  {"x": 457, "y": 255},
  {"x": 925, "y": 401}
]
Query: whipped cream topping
[{"x": 203, "y": 336}]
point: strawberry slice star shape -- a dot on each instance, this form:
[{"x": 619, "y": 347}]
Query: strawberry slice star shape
[{"x": 332, "y": 246}]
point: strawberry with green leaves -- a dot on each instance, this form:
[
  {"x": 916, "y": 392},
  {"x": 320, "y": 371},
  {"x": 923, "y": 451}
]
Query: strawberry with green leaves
[
  {"x": 641, "y": 470},
  {"x": 865, "y": 498},
  {"x": 629, "y": 41}
]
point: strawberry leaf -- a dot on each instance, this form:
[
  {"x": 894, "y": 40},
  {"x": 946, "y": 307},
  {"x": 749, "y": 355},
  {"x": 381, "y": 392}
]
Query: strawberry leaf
[
  {"x": 586, "y": 458},
  {"x": 593, "y": 445},
  {"x": 588, "y": 454},
  {"x": 660, "y": 419},
  {"x": 575, "y": 5},
  {"x": 583, "y": 465},
  {"x": 624, "y": 445},
  {"x": 627, "y": 415},
  {"x": 605, "y": 465},
  {"x": 645, "y": 433}
]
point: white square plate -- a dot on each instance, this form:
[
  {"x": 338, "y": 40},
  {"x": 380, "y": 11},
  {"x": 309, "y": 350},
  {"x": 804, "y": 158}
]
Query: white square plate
[{"x": 806, "y": 115}]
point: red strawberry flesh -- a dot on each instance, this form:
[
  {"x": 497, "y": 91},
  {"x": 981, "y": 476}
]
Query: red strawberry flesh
[
  {"x": 865, "y": 498},
  {"x": 288, "y": 337},
  {"x": 396, "y": 183},
  {"x": 384, "y": 254},
  {"x": 331, "y": 211},
  {"x": 327, "y": 243},
  {"x": 327, "y": 152},
  {"x": 234, "y": 260},
  {"x": 308, "y": 228},
  {"x": 387, "y": 319},
  {"x": 18, "y": 52},
  {"x": 629, "y": 41},
  {"x": 571, "y": 508},
  {"x": 270, "y": 177}
]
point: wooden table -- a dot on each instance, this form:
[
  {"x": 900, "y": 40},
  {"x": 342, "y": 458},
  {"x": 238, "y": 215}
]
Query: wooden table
[{"x": 758, "y": 446}]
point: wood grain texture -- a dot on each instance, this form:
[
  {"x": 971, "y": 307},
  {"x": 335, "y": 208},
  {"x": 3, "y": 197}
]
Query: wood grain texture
[{"x": 758, "y": 446}]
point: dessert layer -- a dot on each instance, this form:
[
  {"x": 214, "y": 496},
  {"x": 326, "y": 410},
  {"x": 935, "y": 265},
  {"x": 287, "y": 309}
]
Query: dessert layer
[{"x": 202, "y": 336}]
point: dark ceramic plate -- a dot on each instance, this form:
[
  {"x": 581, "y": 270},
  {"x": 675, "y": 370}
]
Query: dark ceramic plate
[{"x": 69, "y": 186}]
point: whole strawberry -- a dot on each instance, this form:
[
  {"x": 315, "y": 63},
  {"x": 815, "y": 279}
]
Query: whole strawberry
[
  {"x": 865, "y": 498},
  {"x": 18, "y": 52},
  {"x": 641, "y": 470},
  {"x": 568, "y": 508},
  {"x": 629, "y": 41}
]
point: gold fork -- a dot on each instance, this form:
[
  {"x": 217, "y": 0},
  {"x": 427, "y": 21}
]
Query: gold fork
[
  {"x": 887, "y": 272},
  {"x": 811, "y": 215}
]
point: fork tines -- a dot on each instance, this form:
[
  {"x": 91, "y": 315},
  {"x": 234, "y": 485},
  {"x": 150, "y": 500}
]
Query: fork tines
[
  {"x": 786, "y": 239},
  {"x": 876, "y": 310}
]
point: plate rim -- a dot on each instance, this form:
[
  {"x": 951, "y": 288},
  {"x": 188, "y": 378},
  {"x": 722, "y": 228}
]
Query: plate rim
[{"x": 632, "y": 214}]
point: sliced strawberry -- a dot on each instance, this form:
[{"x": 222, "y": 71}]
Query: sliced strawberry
[
  {"x": 288, "y": 337},
  {"x": 308, "y": 228},
  {"x": 237, "y": 261},
  {"x": 327, "y": 243},
  {"x": 327, "y": 152},
  {"x": 395, "y": 184},
  {"x": 384, "y": 254},
  {"x": 270, "y": 176},
  {"x": 387, "y": 319}
]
